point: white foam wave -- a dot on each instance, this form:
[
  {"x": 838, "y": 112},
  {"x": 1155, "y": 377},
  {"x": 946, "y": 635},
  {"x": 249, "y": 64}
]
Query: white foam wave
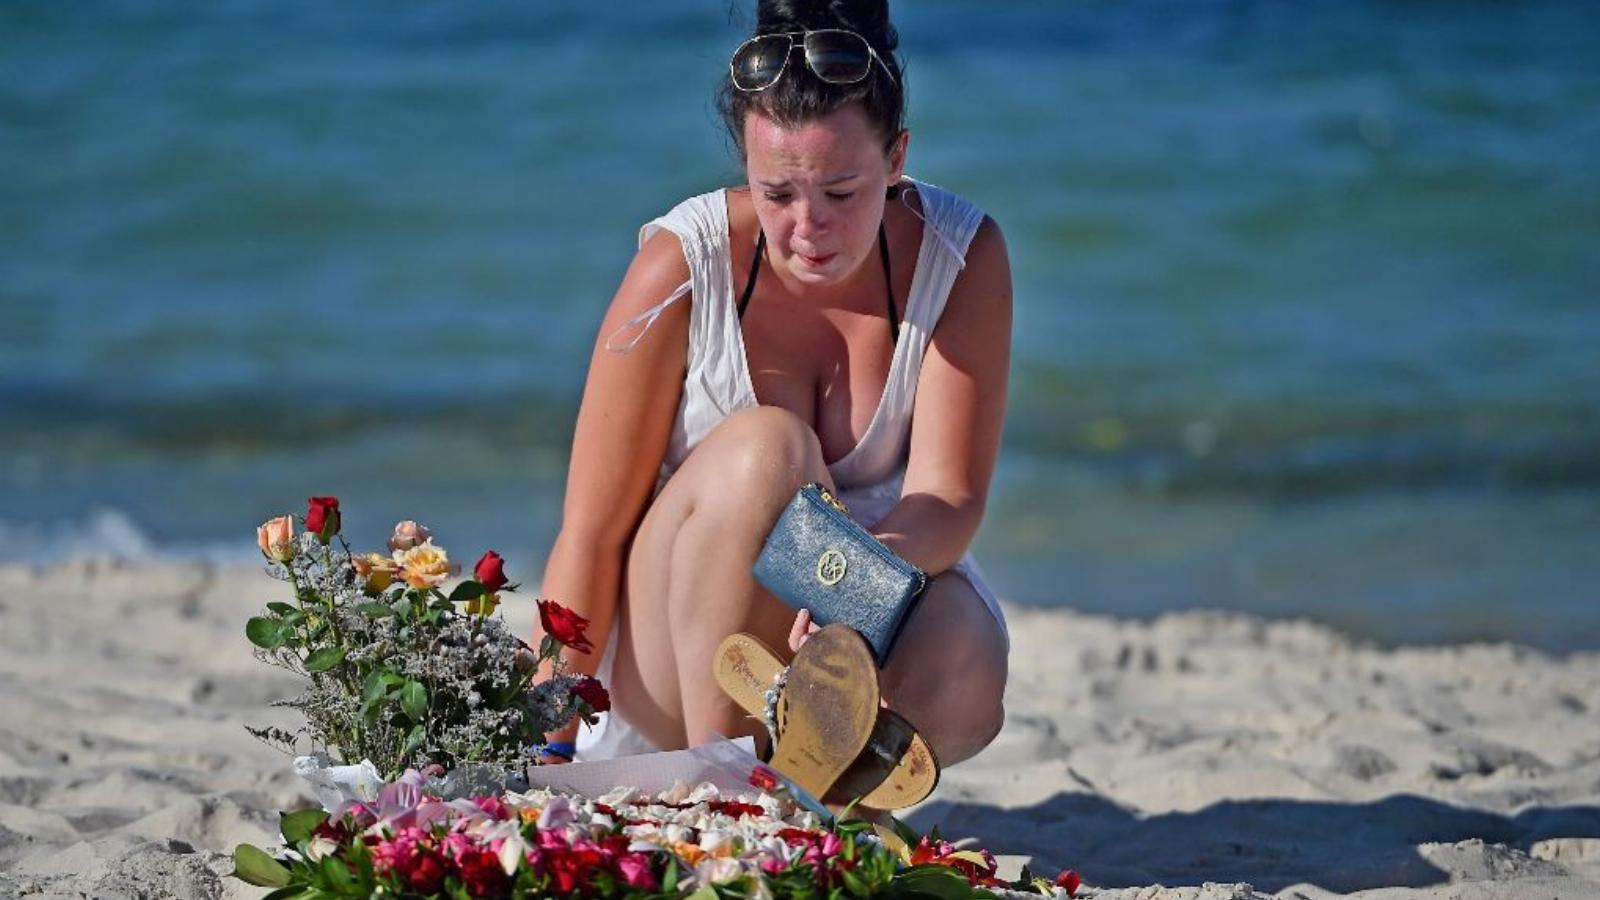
[{"x": 105, "y": 532}]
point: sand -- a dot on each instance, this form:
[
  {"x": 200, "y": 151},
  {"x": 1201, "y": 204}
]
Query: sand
[{"x": 1220, "y": 755}]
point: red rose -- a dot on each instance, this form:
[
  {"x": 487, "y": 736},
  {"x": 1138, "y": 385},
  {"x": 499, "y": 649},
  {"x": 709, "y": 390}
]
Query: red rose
[
  {"x": 490, "y": 571},
  {"x": 564, "y": 625},
  {"x": 1069, "y": 881},
  {"x": 592, "y": 692},
  {"x": 764, "y": 779},
  {"x": 481, "y": 873},
  {"x": 322, "y": 517},
  {"x": 425, "y": 872}
]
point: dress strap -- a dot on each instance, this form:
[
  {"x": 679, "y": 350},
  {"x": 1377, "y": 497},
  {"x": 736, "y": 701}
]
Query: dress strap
[
  {"x": 644, "y": 320},
  {"x": 949, "y": 244}
]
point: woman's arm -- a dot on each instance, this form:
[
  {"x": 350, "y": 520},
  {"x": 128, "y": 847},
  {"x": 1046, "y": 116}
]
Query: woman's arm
[
  {"x": 959, "y": 412},
  {"x": 629, "y": 401}
]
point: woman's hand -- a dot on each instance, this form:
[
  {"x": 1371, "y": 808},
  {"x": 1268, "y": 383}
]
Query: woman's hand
[{"x": 802, "y": 629}]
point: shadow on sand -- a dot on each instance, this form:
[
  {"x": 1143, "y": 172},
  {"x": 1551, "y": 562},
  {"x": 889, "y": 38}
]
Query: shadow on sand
[{"x": 1271, "y": 844}]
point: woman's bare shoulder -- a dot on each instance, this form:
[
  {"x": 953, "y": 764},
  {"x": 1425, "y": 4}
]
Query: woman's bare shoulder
[{"x": 988, "y": 264}]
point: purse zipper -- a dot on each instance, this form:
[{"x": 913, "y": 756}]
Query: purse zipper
[{"x": 832, "y": 501}]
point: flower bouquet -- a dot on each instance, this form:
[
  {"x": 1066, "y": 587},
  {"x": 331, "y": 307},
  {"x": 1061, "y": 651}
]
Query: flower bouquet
[
  {"x": 680, "y": 843},
  {"x": 398, "y": 673}
]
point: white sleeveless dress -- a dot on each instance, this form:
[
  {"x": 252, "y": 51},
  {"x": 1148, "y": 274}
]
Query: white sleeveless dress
[{"x": 717, "y": 382}]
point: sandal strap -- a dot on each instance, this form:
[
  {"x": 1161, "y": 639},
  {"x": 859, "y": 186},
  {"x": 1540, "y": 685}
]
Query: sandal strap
[{"x": 770, "y": 712}]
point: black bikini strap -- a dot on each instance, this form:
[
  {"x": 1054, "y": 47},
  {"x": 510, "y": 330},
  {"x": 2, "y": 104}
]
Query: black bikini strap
[
  {"x": 755, "y": 269},
  {"x": 888, "y": 279}
]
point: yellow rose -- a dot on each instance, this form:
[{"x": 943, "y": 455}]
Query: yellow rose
[
  {"x": 423, "y": 566},
  {"x": 378, "y": 570},
  {"x": 275, "y": 537}
]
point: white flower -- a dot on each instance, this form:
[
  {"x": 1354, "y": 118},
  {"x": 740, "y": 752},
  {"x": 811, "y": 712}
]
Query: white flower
[
  {"x": 320, "y": 847},
  {"x": 557, "y": 812},
  {"x": 719, "y": 870}
]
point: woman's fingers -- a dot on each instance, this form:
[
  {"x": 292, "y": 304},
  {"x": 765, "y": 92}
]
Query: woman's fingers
[{"x": 802, "y": 628}]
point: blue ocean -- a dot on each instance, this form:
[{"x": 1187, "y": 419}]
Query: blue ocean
[{"x": 1307, "y": 294}]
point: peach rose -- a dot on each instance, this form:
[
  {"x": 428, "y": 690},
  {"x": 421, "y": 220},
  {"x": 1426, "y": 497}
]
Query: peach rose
[
  {"x": 378, "y": 570},
  {"x": 275, "y": 537},
  {"x": 409, "y": 534},
  {"x": 423, "y": 566}
]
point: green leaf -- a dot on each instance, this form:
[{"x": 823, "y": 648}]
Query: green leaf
[
  {"x": 337, "y": 874},
  {"x": 374, "y": 688},
  {"x": 669, "y": 881},
  {"x": 932, "y": 881},
  {"x": 285, "y": 893},
  {"x": 252, "y": 865},
  {"x": 374, "y": 610},
  {"x": 467, "y": 590},
  {"x": 264, "y": 633},
  {"x": 297, "y": 826},
  {"x": 324, "y": 658},
  {"x": 414, "y": 739},
  {"x": 905, "y": 832},
  {"x": 281, "y": 608},
  {"x": 706, "y": 892},
  {"x": 414, "y": 700}
]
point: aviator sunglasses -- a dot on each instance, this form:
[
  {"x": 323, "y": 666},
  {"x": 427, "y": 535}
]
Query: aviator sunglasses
[{"x": 833, "y": 55}]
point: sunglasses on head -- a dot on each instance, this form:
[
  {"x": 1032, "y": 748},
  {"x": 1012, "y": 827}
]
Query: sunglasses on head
[{"x": 832, "y": 54}]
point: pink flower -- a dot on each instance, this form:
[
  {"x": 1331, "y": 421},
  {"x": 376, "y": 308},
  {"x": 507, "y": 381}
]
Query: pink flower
[
  {"x": 493, "y": 806},
  {"x": 635, "y": 871},
  {"x": 409, "y": 534}
]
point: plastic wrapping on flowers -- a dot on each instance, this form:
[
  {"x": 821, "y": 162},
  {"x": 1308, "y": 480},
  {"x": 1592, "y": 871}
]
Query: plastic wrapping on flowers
[{"x": 679, "y": 843}]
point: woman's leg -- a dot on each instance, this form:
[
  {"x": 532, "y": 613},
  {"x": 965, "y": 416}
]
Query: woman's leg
[
  {"x": 689, "y": 585},
  {"x": 947, "y": 673}
]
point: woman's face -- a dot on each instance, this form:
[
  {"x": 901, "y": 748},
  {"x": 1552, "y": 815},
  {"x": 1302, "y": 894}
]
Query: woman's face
[{"x": 819, "y": 191}]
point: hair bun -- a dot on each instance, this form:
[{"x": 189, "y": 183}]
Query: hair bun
[{"x": 868, "y": 18}]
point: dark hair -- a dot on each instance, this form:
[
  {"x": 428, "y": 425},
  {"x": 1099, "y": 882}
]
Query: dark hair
[{"x": 800, "y": 96}]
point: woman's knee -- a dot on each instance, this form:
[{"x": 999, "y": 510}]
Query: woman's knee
[{"x": 764, "y": 449}]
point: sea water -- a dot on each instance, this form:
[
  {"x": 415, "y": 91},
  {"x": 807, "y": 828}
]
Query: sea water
[{"x": 1305, "y": 323}]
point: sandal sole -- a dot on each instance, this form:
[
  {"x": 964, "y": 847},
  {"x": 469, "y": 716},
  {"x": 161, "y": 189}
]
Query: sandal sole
[{"x": 894, "y": 770}]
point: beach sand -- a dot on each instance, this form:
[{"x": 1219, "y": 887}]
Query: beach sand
[{"x": 1220, "y": 755}]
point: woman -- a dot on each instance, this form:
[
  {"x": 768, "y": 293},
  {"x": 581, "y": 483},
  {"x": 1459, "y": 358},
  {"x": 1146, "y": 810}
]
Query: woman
[{"x": 829, "y": 321}]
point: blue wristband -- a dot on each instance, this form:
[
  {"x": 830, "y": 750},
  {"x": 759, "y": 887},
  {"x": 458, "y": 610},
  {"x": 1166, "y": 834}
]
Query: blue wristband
[{"x": 558, "y": 748}]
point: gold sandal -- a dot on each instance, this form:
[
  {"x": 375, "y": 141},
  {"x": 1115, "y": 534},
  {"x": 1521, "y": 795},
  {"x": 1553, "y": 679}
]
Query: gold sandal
[{"x": 896, "y": 767}]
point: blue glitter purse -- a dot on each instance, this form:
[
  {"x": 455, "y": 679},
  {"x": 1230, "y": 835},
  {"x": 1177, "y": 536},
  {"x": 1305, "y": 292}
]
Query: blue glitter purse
[{"x": 818, "y": 558}]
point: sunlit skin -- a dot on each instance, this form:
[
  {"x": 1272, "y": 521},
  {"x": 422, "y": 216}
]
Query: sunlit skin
[{"x": 819, "y": 190}]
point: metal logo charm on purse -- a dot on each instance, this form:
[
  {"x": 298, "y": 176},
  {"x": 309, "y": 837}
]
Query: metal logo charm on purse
[{"x": 818, "y": 558}]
